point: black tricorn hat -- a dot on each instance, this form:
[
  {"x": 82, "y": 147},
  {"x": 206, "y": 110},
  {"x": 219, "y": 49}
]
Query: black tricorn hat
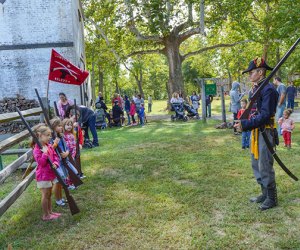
[{"x": 258, "y": 62}]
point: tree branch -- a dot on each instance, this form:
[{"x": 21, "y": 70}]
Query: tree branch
[
  {"x": 221, "y": 45},
  {"x": 105, "y": 38},
  {"x": 140, "y": 36},
  {"x": 189, "y": 33},
  {"x": 144, "y": 52},
  {"x": 255, "y": 17}
]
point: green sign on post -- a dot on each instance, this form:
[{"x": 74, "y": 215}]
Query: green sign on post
[{"x": 211, "y": 89}]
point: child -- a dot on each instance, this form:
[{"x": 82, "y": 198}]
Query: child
[
  {"x": 59, "y": 142},
  {"x": 69, "y": 136},
  {"x": 132, "y": 111},
  {"x": 142, "y": 114},
  {"x": 286, "y": 125},
  {"x": 45, "y": 176},
  {"x": 245, "y": 134}
]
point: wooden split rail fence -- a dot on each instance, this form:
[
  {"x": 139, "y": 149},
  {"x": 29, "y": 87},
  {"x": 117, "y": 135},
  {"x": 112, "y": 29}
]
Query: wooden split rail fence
[{"x": 5, "y": 146}]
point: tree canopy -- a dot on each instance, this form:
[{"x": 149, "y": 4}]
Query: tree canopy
[{"x": 159, "y": 46}]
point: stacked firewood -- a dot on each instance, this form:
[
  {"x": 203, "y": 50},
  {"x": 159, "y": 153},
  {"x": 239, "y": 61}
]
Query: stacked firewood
[{"x": 8, "y": 105}]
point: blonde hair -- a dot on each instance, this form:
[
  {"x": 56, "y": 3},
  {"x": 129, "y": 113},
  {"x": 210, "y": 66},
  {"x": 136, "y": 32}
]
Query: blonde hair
[
  {"x": 288, "y": 112},
  {"x": 66, "y": 122},
  {"x": 175, "y": 95},
  {"x": 39, "y": 130},
  {"x": 55, "y": 122}
]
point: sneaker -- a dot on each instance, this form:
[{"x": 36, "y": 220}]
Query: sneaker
[
  {"x": 82, "y": 176},
  {"x": 63, "y": 200},
  {"x": 95, "y": 144},
  {"x": 243, "y": 147},
  {"x": 60, "y": 203},
  {"x": 71, "y": 187}
]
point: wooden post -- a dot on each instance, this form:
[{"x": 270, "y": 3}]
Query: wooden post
[
  {"x": 203, "y": 100},
  {"x": 223, "y": 104},
  {"x": 1, "y": 164}
]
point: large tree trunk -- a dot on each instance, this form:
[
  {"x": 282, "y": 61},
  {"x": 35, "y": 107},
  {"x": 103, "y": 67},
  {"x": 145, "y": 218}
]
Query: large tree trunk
[
  {"x": 175, "y": 83},
  {"x": 101, "y": 81},
  {"x": 139, "y": 81}
]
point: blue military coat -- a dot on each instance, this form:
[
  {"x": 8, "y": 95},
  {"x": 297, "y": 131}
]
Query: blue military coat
[{"x": 266, "y": 107}]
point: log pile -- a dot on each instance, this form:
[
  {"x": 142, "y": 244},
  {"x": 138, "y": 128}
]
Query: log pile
[{"x": 9, "y": 104}]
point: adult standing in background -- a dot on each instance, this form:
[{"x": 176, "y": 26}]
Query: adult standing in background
[
  {"x": 209, "y": 99},
  {"x": 98, "y": 97},
  {"x": 150, "y": 104},
  {"x": 195, "y": 100},
  {"x": 235, "y": 103},
  {"x": 281, "y": 89},
  {"x": 63, "y": 104},
  {"x": 291, "y": 93},
  {"x": 87, "y": 120}
]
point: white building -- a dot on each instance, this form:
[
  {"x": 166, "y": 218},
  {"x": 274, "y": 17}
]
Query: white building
[{"x": 29, "y": 29}]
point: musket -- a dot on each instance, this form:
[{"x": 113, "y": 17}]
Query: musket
[
  {"x": 75, "y": 164},
  {"x": 77, "y": 156},
  {"x": 56, "y": 109},
  {"x": 72, "y": 204},
  {"x": 74, "y": 177},
  {"x": 261, "y": 84}
]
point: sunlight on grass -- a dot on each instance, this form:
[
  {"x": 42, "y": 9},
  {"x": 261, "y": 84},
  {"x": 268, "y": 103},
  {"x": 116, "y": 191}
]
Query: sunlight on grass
[{"x": 181, "y": 185}]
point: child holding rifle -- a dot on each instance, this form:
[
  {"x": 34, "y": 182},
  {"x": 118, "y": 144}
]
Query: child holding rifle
[
  {"x": 45, "y": 176},
  {"x": 57, "y": 127},
  {"x": 69, "y": 136}
]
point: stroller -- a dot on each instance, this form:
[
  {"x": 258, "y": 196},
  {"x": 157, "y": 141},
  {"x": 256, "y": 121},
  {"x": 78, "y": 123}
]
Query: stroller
[
  {"x": 100, "y": 117},
  {"x": 191, "y": 112},
  {"x": 179, "y": 112}
]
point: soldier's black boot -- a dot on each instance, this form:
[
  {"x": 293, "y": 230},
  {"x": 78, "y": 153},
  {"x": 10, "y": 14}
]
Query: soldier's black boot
[
  {"x": 261, "y": 197},
  {"x": 271, "y": 200}
]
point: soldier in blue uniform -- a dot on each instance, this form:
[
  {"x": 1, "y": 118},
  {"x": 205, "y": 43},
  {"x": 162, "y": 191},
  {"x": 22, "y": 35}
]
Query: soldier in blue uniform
[{"x": 261, "y": 158}]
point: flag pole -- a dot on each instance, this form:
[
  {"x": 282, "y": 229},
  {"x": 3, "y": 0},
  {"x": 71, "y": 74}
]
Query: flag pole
[{"x": 47, "y": 93}]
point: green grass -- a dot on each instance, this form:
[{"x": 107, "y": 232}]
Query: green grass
[{"x": 164, "y": 186}]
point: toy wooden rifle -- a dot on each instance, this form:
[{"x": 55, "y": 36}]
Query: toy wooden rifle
[
  {"x": 56, "y": 109},
  {"x": 261, "y": 84},
  {"x": 69, "y": 157},
  {"x": 74, "y": 177},
  {"x": 72, "y": 204},
  {"x": 77, "y": 157}
]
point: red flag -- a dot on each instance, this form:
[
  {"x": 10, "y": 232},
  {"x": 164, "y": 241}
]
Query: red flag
[{"x": 61, "y": 70}]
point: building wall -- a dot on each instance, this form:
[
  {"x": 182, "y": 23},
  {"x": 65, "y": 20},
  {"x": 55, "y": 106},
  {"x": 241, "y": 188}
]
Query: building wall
[{"x": 28, "y": 31}]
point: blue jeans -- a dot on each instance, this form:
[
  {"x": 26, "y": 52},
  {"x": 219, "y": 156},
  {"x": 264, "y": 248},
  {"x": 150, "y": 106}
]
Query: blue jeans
[
  {"x": 128, "y": 117},
  {"x": 279, "y": 114},
  {"x": 92, "y": 125},
  {"x": 246, "y": 139},
  {"x": 208, "y": 110},
  {"x": 141, "y": 120},
  {"x": 290, "y": 103}
]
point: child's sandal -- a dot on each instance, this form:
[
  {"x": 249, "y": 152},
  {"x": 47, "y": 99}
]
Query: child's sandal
[{"x": 49, "y": 217}]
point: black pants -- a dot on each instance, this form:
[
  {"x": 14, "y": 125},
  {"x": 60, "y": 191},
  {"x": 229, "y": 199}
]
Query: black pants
[
  {"x": 234, "y": 118},
  {"x": 133, "y": 120}
]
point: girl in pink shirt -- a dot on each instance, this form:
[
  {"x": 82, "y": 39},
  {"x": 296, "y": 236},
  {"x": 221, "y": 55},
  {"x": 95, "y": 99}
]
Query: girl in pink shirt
[
  {"x": 132, "y": 111},
  {"x": 69, "y": 137},
  {"x": 287, "y": 125},
  {"x": 45, "y": 176}
]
